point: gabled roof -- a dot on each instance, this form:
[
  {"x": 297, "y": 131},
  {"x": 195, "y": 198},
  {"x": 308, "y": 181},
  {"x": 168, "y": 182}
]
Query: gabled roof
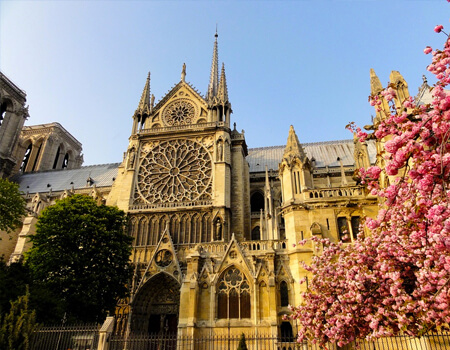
[
  {"x": 103, "y": 175},
  {"x": 174, "y": 90},
  {"x": 325, "y": 154}
]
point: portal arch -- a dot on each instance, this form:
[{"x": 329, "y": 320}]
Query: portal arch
[{"x": 155, "y": 308}]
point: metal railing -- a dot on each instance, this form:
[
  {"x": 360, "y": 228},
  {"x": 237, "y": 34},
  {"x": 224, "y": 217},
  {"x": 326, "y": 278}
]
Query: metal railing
[{"x": 73, "y": 337}]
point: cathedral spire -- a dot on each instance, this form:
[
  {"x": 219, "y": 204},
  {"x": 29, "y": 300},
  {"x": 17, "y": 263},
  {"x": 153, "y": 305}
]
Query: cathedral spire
[
  {"x": 223, "y": 89},
  {"x": 144, "y": 103},
  {"x": 293, "y": 146},
  {"x": 214, "y": 78}
]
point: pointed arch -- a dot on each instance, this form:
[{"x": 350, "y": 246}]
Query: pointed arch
[
  {"x": 206, "y": 227},
  {"x": 284, "y": 294},
  {"x": 233, "y": 294},
  {"x": 157, "y": 299}
]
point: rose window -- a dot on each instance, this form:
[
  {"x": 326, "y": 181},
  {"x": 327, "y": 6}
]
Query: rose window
[
  {"x": 180, "y": 112},
  {"x": 175, "y": 171}
]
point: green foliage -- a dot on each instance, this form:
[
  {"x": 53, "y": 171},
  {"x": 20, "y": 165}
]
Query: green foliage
[
  {"x": 13, "y": 281},
  {"x": 80, "y": 256},
  {"x": 18, "y": 325},
  {"x": 242, "y": 345},
  {"x": 12, "y": 206}
]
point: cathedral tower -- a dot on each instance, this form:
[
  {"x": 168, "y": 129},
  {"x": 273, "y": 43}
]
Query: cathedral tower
[{"x": 13, "y": 114}]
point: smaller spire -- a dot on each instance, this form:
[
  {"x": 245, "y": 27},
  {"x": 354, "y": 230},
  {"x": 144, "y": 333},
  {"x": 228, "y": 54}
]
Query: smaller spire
[
  {"x": 223, "y": 89},
  {"x": 375, "y": 83},
  {"x": 144, "y": 103},
  {"x": 293, "y": 146},
  {"x": 183, "y": 73}
]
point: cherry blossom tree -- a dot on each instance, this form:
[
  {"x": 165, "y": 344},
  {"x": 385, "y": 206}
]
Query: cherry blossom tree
[{"x": 397, "y": 278}]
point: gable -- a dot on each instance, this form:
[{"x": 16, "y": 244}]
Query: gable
[{"x": 181, "y": 106}]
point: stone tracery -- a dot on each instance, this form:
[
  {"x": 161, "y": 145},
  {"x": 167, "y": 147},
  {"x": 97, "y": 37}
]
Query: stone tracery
[
  {"x": 175, "y": 171},
  {"x": 179, "y": 112}
]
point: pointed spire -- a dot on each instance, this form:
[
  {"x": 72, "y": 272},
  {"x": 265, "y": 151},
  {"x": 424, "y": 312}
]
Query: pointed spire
[
  {"x": 293, "y": 146},
  {"x": 144, "y": 103},
  {"x": 375, "y": 84},
  {"x": 223, "y": 89},
  {"x": 214, "y": 78}
]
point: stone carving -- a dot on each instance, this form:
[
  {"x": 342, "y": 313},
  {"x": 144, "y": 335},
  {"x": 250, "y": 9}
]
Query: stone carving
[
  {"x": 175, "y": 171},
  {"x": 218, "y": 233},
  {"x": 131, "y": 158},
  {"x": 163, "y": 258},
  {"x": 233, "y": 279},
  {"x": 179, "y": 112},
  {"x": 220, "y": 151}
]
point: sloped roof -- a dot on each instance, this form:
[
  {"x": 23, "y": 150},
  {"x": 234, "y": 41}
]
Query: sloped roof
[
  {"x": 60, "y": 180},
  {"x": 325, "y": 154}
]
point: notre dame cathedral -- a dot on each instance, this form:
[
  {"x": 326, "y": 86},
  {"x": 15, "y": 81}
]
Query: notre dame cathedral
[{"x": 215, "y": 223}]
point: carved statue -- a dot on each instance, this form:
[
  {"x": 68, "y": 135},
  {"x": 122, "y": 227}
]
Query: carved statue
[
  {"x": 183, "y": 72},
  {"x": 220, "y": 151},
  {"x": 131, "y": 158},
  {"x": 218, "y": 235}
]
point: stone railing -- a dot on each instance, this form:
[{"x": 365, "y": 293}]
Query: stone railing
[
  {"x": 354, "y": 191},
  {"x": 182, "y": 127},
  {"x": 169, "y": 205},
  {"x": 143, "y": 254}
]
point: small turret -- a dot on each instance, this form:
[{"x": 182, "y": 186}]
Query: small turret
[
  {"x": 375, "y": 90},
  {"x": 399, "y": 82},
  {"x": 294, "y": 169}
]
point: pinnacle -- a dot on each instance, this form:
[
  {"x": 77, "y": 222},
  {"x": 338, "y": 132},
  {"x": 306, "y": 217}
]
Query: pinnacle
[
  {"x": 144, "y": 103},
  {"x": 293, "y": 146},
  {"x": 375, "y": 84},
  {"x": 223, "y": 89}
]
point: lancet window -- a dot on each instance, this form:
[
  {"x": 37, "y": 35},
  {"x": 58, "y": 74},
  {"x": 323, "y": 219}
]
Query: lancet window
[
  {"x": 233, "y": 295},
  {"x": 193, "y": 227},
  {"x": 348, "y": 228},
  {"x": 284, "y": 294}
]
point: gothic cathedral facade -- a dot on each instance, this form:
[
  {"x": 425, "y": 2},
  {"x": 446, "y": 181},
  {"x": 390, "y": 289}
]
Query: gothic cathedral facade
[{"x": 215, "y": 223}]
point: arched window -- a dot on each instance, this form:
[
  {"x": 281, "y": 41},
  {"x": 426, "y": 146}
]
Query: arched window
[
  {"x": 55, "y": 163},
  {"x": 26, "y": 158},
  {"x": 286, "y": 332},
  {"x": 284, "y": 294},
  {"x": 256, "y": 234},
  {"x": 65, "y": 163},
  {"x": 2, "y": 112},
  {"x": 257, "y": 202},
  {"x": 233, "y": 295}
]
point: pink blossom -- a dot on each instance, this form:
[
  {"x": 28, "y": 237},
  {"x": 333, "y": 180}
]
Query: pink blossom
[
  {"x": 438, "y": 28},
  {"x": 427, "y": 50}
]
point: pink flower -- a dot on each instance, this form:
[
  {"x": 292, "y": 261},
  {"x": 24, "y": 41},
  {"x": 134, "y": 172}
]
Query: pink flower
[
  {"x": 427, "y": 50},
  {"x": 438, "y": 28}
]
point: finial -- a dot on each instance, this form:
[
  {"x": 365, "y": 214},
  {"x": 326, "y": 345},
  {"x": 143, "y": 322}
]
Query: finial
[
  {"x": 424, "y": 78},
  {"x": 183, "y": 72},
  {"x": 216, "y": 35}
]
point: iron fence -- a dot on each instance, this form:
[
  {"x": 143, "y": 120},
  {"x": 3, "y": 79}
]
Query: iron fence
[
  {"x": 70, "y": 337},
  {"x": 213, "y": 342},
  {"x": 85, "y": 337}
]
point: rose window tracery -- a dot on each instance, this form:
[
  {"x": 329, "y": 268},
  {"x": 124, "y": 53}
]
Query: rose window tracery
[
  {"x": 175, "y": 171},
  {"x": 179, "y": 112}
]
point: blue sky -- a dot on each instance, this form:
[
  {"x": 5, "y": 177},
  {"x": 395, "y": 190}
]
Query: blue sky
[{"x": 306, "y": 63}]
